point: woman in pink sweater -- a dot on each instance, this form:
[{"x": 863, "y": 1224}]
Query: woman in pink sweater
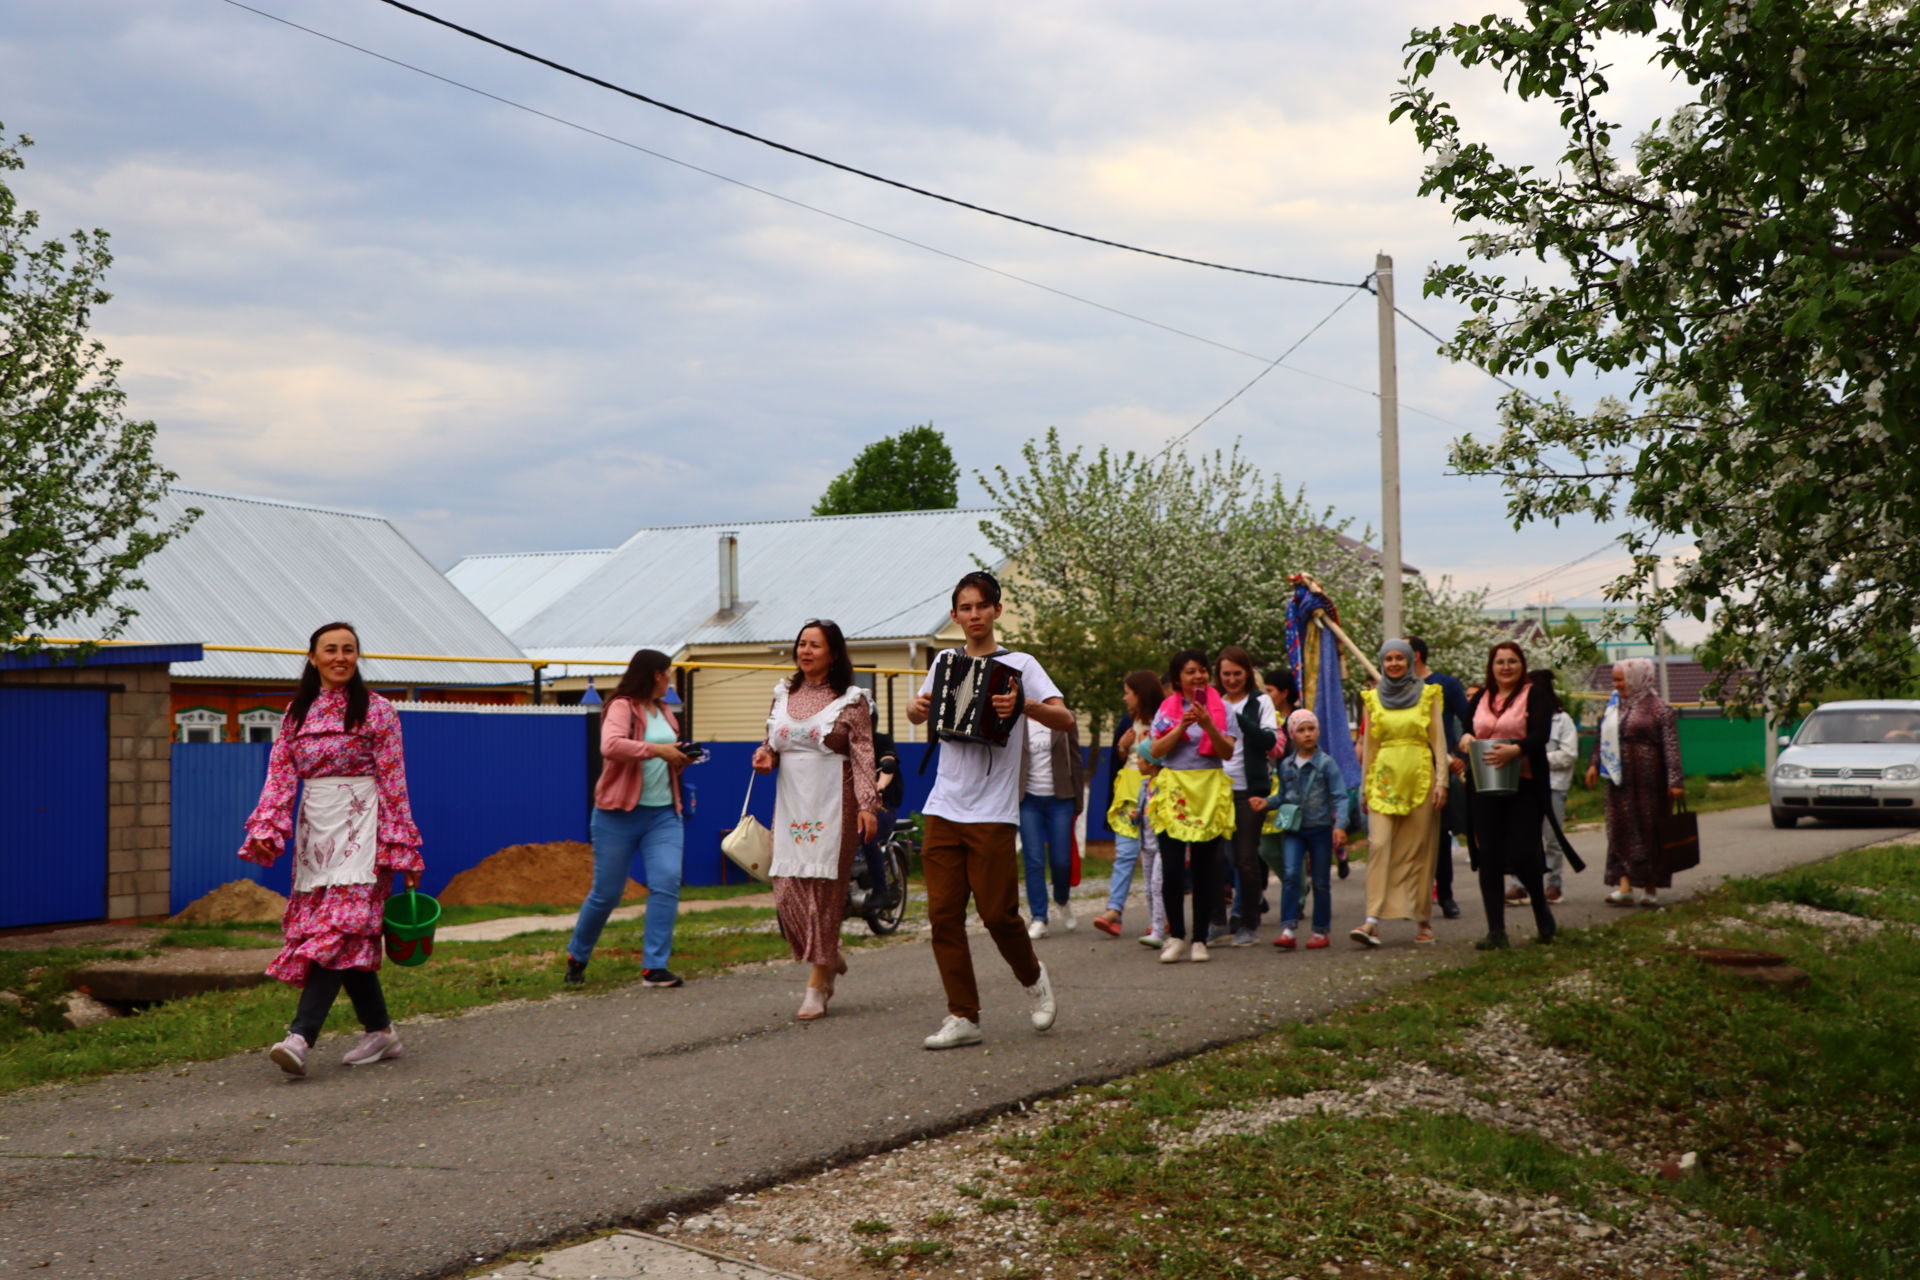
[{"x": 636, "y": 810}]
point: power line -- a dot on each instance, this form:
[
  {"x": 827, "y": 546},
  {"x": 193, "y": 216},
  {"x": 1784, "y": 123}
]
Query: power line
[
  {"x": 1443, "y": 342},
  {"x": 1256, "y": 377},
  {"x": 738, "y": 132},
  {"x": 825, "y": 213},
  {"x": 1557, "y": 570}
]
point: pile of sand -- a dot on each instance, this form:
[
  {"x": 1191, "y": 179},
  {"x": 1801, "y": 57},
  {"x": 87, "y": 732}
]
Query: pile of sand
[
  {"x": 235, "y": 902},
  {"x": 557, "y": 874}
]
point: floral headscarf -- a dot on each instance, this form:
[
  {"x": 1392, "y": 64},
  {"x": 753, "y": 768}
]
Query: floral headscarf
[{"x": 1638, "y": 677}]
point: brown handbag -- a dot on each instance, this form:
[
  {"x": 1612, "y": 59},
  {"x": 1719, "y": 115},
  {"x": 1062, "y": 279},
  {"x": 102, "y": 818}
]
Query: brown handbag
[{"x": 1679, "y": 834}]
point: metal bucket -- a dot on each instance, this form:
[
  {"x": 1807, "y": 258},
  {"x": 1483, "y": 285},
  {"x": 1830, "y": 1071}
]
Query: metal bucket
[{"x": 1490, "y": 779}]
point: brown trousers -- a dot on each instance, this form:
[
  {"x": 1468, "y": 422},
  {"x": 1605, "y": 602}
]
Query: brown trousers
[{"x": 978, "y": 859}]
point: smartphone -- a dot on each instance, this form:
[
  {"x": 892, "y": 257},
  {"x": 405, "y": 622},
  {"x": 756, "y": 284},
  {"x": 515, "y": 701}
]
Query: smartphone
[{"x": 694, "y": 752}]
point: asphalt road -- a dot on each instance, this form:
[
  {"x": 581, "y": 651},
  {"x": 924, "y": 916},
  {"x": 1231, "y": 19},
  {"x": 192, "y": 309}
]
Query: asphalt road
[{"x": 516, "y": 1127}]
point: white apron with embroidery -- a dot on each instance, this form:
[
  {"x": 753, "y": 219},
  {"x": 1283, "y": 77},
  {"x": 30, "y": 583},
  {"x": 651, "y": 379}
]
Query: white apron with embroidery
[
  {"x": 339, "y": 833},
  {"x": 807, "y": 810}
]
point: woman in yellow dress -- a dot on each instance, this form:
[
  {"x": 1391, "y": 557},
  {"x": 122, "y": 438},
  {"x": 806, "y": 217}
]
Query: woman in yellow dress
[
  {"x": 1404, "y": 780},
  {"x": 1192, "y": 736}
]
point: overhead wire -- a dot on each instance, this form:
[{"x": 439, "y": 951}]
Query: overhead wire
[
  {"x": 1508, "y": 592},
  {"x": 1322, "y": 323},
  {"x": 836, "y": 217},
  {"x": 750, "y": 136}
]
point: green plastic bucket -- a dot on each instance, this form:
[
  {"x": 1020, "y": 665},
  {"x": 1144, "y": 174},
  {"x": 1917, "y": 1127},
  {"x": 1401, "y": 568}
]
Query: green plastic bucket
[{"x": 411, "y": 919}]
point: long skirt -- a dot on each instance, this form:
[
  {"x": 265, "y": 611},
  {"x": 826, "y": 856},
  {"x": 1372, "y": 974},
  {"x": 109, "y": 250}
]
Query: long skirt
[
  {"x": 810, "y": 910},
  {"x": 1400, "y": 854}
]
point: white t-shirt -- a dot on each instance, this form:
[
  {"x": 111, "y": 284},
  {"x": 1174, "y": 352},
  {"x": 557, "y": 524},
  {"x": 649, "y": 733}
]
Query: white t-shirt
[
  {"x": 978, "y": 783},
  {"x": 1039, "y": 759},
  {"x": 1236, "y": 764}
]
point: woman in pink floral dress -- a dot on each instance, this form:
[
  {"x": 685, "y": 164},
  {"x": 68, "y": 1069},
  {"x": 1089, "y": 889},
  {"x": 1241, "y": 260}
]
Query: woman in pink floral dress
[
  {"x": 820, "y": 735},
  {"x": 342, "y": 741}
]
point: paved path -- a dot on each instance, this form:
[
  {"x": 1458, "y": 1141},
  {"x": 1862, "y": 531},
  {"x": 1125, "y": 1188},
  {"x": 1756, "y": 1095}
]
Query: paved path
[{"x": 517, "y": 1126}]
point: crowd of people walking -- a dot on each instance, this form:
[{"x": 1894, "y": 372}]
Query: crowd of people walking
[{"x": 1220, "y": 787}]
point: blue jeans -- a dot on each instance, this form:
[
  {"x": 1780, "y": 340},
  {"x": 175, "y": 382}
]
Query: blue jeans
[
  {"x": 1046, "y": 837},
  {"x": 1126, "y": 857},
  {"x": 656, "y": 833},
  {"x": 1304, "y": 853}
]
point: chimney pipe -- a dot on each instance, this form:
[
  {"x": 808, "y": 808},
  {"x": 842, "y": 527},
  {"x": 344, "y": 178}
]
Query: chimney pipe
[{"x": 729, "y": 571}]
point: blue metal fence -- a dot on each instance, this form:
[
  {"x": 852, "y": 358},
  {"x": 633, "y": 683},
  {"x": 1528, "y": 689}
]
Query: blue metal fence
[
  {"x": 53, "y": 805},
  {"x": 480, "y": 781},
  {"x": 215, "y": 786}
]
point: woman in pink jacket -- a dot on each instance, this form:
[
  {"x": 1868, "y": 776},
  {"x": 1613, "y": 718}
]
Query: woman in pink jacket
[{"x": 636, "y": 810}]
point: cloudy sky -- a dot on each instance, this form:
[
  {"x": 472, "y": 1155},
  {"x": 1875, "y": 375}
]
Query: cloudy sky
[{"x": 341, "y": 281}]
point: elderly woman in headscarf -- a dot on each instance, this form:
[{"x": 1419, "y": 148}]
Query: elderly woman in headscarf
[
  {"x": 1639, "y": 756},
  {"x": 1404, "y": 783},
  {"x": 1305, "y": 807}
]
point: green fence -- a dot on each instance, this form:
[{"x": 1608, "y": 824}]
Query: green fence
[{"x": 1715, "y": 745}]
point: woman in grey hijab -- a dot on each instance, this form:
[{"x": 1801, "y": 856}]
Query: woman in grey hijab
[{"x": 1404, "y": 781}]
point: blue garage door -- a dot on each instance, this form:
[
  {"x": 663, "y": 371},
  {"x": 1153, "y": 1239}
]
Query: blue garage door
[{"x": 53, "y": 805}]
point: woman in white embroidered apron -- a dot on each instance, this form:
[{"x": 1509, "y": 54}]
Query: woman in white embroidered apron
[
  {"x": 820, "y": 736},
  {"x": 340, "y": 746}
]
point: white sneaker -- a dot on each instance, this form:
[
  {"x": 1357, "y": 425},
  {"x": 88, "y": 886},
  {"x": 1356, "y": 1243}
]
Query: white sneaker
[
  {"x": 1066, "y": 917},
  {"x": 1038, "y": 929},
  {"x": 1154, "y": 939},
  {"x": 1041, "y": 993},
  {"x": 1199, "y": 953},
  {"x": 954, "y": 1032},
  {"x": 1176, "y": 949}
]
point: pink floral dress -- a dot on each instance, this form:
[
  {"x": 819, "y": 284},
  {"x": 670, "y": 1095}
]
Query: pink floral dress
[{"x": 336, "y": 926}]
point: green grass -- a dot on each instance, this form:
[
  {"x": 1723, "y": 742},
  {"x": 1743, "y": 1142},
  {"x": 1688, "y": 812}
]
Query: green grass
[
  {"x": 1803, "y": 1106},
  {"x": 459, "y": 977},
  {"x": 1704, "y": 795}
]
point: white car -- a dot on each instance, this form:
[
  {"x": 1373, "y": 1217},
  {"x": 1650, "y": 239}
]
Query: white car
[{"x": 1850, "y": 757}]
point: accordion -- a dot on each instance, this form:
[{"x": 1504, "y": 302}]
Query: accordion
[{"x": 963, "y": 693}]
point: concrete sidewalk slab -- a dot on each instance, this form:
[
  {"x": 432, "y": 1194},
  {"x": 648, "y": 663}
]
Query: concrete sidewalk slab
[
  {"x": 635, "y": 1255},
  {"x": 519, "y": 1126}
]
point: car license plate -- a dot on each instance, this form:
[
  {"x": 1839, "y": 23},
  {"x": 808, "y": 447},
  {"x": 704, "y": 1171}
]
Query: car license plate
[{"x": 1844, "y": 791}]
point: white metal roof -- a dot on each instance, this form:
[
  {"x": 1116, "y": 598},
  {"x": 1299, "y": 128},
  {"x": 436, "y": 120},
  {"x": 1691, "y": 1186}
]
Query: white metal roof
[
  {"x": 253, "y": 571},
  {"x": 878, "y": 576},
  {"x": 511, "y": 588}
]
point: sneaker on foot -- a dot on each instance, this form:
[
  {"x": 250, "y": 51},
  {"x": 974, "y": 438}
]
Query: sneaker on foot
[
  {"x": 1286, "y": 941},
  {"x": 953, "y": 1033},
  {"x": 576, "y": 972},
  {"x": 661, "y": 978},
  {"x": 1345, "y": 867},
  {"x": 1198, "y": 954},
  {"x": 1038, "y": 929},
  {"x": 1041, "y": 994},
  {"x": 1176, "y": 949},
  {"x": 1245, "y": 938},
  {"x": 1318, "y": 942},
  {"x": 1517, "y": 895},
  {"x": 1154, "y": 939},
  {"x": 1449, "y": 908},
  {"x": 1217, "y": 933},
  {"x": 290, "y": 1055},
  {"x": 1649, "y": 900},
  {"x": 373, "y": 1046},
  {"x": 1553, "y": 893},
  {"x": 1066, "y": 917}
]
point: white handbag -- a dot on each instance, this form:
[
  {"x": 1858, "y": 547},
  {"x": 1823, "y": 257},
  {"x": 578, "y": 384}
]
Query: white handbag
[{"x": 749, "y": 844}]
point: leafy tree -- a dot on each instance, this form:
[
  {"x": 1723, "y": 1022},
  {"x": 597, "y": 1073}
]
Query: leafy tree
[
  {"x": 77, "y": 478},
  {"x": 913, "y": 471},
  {"x": 1751, "y": 264},
  {"x": 1118, "y": 560}
]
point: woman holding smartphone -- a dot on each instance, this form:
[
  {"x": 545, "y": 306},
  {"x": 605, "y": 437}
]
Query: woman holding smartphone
[{"x": 636, "y": 812}]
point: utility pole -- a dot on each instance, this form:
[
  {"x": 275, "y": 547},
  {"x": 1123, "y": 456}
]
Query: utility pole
[
  {"x": 1391, "y": 623},
  {"x": 1660, "y": 644}
]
